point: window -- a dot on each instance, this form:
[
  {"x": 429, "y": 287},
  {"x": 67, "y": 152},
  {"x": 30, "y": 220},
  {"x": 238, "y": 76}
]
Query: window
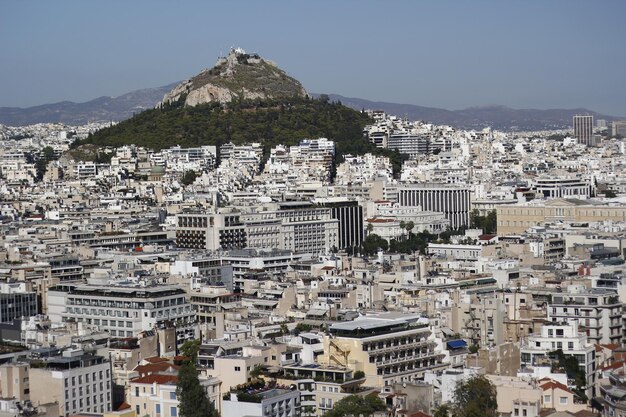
[
  {"x": 524, "y": 413},
  {"x": 563, "y": 400},
  {"x": 173, "y": 411},
  {"x": 173, "y": 395},
  {"x": 158, "y": 409},
  {"x": 547, "y": 399},
  {"x": 570, "y": 345},
  {"x": 136, "y": 391},
  {"x": 237, "y": 368}
]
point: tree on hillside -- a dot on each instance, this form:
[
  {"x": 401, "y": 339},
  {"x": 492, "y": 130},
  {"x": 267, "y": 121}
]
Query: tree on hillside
[
  {"x": 356, "y": 405},
  {"x": 192, "y": 398},
  {"x": 475, "y": 397}
]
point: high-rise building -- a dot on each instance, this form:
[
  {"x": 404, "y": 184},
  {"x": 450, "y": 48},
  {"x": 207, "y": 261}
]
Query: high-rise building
[
  {"x": 583, "y": 129},
  {"x": 618, "y": 128}
]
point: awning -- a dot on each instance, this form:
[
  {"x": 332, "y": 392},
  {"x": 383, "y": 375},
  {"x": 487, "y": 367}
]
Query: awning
[{"x": 456, "y": 344}]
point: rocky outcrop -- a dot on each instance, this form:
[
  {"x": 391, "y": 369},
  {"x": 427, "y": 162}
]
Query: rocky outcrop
[{"x": 236, "y": 76}]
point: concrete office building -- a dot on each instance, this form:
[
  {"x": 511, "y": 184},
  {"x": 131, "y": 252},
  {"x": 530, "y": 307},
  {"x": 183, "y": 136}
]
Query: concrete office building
[
  {"x": 349, "y": 213},
  {"x": 16, "y": 302},
  {"x": 409, "y": 143},
  {"x": 583, "y": 129},
  {"x": 453, "y": 201}
]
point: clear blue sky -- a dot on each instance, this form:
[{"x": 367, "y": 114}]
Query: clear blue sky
[{"x": 451, "y": 54}]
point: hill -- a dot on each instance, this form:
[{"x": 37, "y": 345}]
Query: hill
[
  {"x": 270, "y": 122},
  {"x": 498, "y": 117},
  {"x": 100, "y": 109},
  {"x": 238, "y": 76}
]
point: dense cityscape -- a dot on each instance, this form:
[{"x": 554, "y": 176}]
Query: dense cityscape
[{"x": 243, "y": 247}]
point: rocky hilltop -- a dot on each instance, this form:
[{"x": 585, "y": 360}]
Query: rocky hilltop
[{"x": 237, "y": 76}]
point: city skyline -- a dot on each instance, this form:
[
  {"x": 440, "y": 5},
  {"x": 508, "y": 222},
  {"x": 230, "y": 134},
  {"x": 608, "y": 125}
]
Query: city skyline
[{"x": 433, "y": 54}]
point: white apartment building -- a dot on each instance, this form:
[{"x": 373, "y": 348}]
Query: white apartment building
[
  {"x": 124, "y": 311},
  {"x": 458, "y": 252},
  {"x": 598, "y": 312},
  {"x": 388, "y": 347},
  {"x": 274, "y": 403},
  {"x": 567, "y": 337}
]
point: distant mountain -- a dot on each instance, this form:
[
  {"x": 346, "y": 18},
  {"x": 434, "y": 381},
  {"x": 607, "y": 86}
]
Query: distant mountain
[
  {"x": 498, "y": 117},
  {"x": 100, "y": 109}
]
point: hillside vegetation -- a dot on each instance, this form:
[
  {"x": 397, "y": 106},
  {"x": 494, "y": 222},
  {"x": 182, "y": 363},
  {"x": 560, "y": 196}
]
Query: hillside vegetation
[{"x": 270, "y": 122}]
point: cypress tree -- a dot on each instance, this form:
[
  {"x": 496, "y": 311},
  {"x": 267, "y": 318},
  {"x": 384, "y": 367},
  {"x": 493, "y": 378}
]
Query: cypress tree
[{"x": 192, "y": 398}]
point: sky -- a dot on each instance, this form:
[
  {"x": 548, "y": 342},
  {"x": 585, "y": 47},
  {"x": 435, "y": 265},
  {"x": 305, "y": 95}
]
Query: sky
[{"x": 450, "y": 54}]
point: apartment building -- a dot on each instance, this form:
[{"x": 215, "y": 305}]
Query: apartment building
[
  {"x": 536, "y": 348},
  {"x": 15, "y": 381},
  {"x": 411, "y": 144},
  {"x": 124, "y": 311},
  {"x": 79, "y": 382},
  {"x": 155, "y": 394},
  {"x": 598, "y": 313},
  {"x": 387, "y": 347},
  {"x": 273, "y": 403}
]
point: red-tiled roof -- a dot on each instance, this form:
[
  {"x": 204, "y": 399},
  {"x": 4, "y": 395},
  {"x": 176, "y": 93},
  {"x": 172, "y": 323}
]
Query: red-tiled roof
[
  {"x": 486, "y": 237},
  {"x": 419, "y": 414},
  {"x": 154, "y": 368},
  {"x": 123, "y": 406},
  {"x": 615, "y": 365},
  {"x": 610, "y": 346},
  {"x": 375, "y": 220},
  {"x": 554, "y": 385},
  {"x": 156, "y": 359},
  {"x": 156, "y": 379}
]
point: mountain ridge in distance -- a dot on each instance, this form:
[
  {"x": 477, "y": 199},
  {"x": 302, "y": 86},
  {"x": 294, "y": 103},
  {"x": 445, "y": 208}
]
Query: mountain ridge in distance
[
  {"x": 104, "y": 108},
  {"x": 122, "y": 107},
  {"x": 477, "y": 117}
]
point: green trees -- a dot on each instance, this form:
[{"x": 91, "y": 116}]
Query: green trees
[
  {"x": 569, "y": 364},
  {"x": 189, "y": 177},
  {"x": 192, "y": 398},
  {"x": 372, "y": 243},
  {"x": 356, "y": 405},
  {"x": 475, "y": 397},
  {"x": 417, "y": 242},
  {"x": 41, "y": 166},
  {"x": 488, "y": 223}
]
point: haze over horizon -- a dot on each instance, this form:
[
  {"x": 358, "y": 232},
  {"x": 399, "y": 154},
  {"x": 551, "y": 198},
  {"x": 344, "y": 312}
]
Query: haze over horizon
[{"x": 453, "y": 55}]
